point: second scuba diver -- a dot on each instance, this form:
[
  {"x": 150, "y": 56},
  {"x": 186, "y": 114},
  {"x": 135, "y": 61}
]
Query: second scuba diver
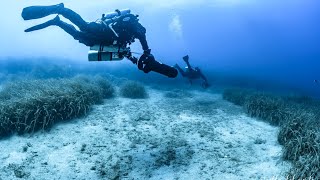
[{"x": 192, "y": 73}]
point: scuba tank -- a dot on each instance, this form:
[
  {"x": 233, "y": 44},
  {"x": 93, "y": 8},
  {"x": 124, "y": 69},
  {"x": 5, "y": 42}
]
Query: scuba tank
[
  {"x": 107, "y": 53},
  {"x": 115, "y": 14},
  {"x": 110, "y": 19}
]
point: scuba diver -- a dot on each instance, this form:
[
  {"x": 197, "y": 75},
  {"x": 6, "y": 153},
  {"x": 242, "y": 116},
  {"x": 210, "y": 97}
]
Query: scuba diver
[
  {"x": 108, "y": 37},
  {"x": 192, "y": 73}
]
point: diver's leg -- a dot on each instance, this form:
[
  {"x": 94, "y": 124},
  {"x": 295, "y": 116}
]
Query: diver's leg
[
  {"x": 75, "y": 18},
  {"x": 70, "y": 29},
  {"x": 188, "y": 64},
  {"x": 205, "y": 83},
  {"x": 52, "y": 22},
  {"x": 82, "y": 37},
  {"x": 203, "y": 77},
  {"x": 186, "y": 59},
  {"x": 56, "y": 22},
  {"x": 35, "y": 12}
]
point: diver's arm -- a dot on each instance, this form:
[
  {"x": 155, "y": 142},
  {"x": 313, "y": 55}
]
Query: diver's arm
[
  {"x": 141, "y": 35},
  {"x": 147, "y": 62},
  {"x": 180, "y": 70},
  {"x": 203, "y": 77},
  {"x": 144, "y": 43}
]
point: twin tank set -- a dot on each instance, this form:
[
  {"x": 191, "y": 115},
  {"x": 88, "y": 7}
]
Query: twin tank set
[{"x": 108, "y": 53}]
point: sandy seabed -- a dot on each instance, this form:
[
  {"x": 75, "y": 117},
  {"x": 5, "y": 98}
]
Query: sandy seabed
[{"x": 196, "y": 136}]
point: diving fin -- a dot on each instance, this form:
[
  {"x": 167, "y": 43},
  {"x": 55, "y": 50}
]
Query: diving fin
[
  {"x": 36, "y": 12},
  {"x": 51, "y": 22}
]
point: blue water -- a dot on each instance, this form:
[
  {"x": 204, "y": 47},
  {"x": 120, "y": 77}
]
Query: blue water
[{"x": 262, "y": 44}]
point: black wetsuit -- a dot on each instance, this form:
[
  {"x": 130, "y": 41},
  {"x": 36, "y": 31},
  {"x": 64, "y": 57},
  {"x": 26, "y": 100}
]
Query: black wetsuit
[
  {"x": 121, "y": 30},
  {"x": 94, "y": 33},
  {"x": 192, "y": 73}
]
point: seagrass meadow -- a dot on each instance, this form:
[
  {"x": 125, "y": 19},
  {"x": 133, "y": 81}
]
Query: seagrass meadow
[
  {"x": 30, "y": 105},
  {"x": 298, "y": 119}
]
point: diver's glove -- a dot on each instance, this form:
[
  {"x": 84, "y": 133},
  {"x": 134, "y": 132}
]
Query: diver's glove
[{"x": 145, "y": 61}]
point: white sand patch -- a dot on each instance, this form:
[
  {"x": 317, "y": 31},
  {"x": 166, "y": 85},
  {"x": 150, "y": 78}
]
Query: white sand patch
[
  {"x": 192, "y": 137},
  {"x": 15, "y": 157}
]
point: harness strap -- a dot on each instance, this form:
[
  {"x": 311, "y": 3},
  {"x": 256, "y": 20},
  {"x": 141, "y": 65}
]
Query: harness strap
[
  {"x": 100, "y": 53},
  {"x": 110, "y": 27}
]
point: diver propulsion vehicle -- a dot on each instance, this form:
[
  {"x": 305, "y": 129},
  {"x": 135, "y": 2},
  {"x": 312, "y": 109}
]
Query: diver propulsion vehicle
[{"x": 115, "y": 53}]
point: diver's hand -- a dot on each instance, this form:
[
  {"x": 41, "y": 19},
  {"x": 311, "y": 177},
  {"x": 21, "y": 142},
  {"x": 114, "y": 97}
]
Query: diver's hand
[
  {"x": 147, "y": 52},
  {"x": 145, "y": 60}
]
